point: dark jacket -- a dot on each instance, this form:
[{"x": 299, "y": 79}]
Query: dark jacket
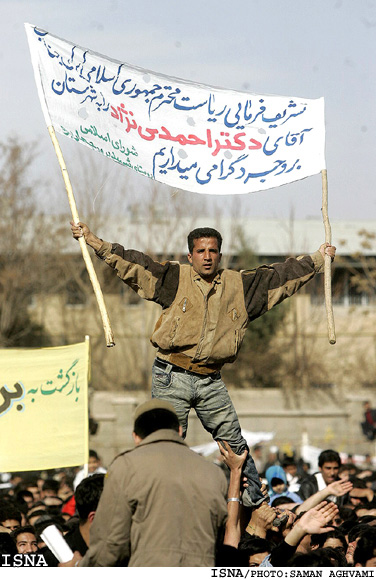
[
  {"x": 162, "y": 505},
  {"x": 309, "y": 486}
]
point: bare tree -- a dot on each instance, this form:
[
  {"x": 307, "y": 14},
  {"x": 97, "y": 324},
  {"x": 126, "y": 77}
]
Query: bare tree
[{"x": 19, "y": 266}]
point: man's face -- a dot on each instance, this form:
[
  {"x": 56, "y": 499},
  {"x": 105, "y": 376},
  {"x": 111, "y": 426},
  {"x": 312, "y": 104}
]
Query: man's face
[
  {"x": 48, "y": 493},
  {"x": 291, "y": 470},
  {"x": 329, "y": 471},
  {"x": 93, "y": 464},
  {"x": 10, "y": 524},
  {"x": 278, "y": 487},
  {"x": 26, "y": 543},
  {"x": 334, "y": 543},
  {"x": 35, "y": 491},
  {"x": 205, "y": 257}
]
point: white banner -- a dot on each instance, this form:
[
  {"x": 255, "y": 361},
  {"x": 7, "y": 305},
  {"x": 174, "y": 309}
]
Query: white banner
[
  {"x": 252, "y": 438},
  {"x": 186, "y": 135}
]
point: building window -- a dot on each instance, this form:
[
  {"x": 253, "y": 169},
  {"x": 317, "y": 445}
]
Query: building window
[
  {"x": 344, "y": 292},
  {"x": 324, "y": 386}
]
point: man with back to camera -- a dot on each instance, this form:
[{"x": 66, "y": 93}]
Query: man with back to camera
[
  {"x": 162, "y": 504},
  {"x": 205, "y": 313}
]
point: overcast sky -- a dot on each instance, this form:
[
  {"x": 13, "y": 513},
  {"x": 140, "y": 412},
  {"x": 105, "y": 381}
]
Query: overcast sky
[{"x": 324, "y": 48}]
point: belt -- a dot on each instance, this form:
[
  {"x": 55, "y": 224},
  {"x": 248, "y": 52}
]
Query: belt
[{"x": 162, "y": 364}]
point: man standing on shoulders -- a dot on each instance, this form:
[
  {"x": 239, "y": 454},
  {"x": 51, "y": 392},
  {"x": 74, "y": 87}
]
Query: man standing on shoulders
[{"x": 205, "y": 313}]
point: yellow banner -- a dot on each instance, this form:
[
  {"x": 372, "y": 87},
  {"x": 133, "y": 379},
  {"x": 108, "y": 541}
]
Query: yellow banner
[{"x": 44, "y": 407}]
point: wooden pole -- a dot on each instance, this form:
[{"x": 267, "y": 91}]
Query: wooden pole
[
  {"x": 328, "y": 260},
  {"x": 85, "y": 252}
]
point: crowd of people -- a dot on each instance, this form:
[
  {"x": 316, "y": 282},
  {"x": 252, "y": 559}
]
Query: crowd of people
[{"x": 161, "y": 504}]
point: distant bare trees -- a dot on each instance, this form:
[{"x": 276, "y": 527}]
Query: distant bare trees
[{"x": 20, "y": 245}]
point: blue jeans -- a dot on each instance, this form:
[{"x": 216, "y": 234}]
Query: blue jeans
[{"x": 210, "y": 399}]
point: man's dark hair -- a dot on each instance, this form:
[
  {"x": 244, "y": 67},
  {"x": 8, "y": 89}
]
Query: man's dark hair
[
  {"x": 358, "y": 483},
  {"x": 320, "y": 539},
  {"x": 346, "y": 514},
  {"x": 22, "y": 494},
  {"x": 22, "y": 530},
  {"x": 348, "y": 525},
  {"x": 252, "y": 545},
  {"x": 366, "y": 519},
  {"x": 30, "y": 482},
  {"x": 329, "y": 456},
  {"x": 94, "y": 454},
  {"x": 316, "y": 559},
  {"x": 154, "y": 420},
  {"x": 44, "y": 522},
  {"x": 37, "y": 514},
  {"x": 337, "y": 557},
  {"x": 281, "y": 500},
  {"x": 288, "y": 461},
  {"x": 357, "y": 531},
  {"x": 52, "y": 485},
  {"x": 9, "y": 512},
  {"x": 203, "y": 233},
  {"x": 365, "y": 547},
  {"x": 7, "y": 545},
  {"x": 87, "y": 495},
  {"x": 38, "y": 504}
]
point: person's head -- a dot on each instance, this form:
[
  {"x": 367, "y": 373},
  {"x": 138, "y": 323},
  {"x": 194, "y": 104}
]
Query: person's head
[
  {"x": 345, "y": 514},
  {"x": 365, "y": 551},
  {"x": 66, "y": 488},
  {"x": 152, "y": 416},
  {"x": 315, "y": 559},
  {"x": 283, "y": 502},
  {"x": 35, "y": 516},
  {"x": 356, "y": 496},
  {"x": 332, "y": 539},
  {"x": 94, "y": 461},
  {"x": 366, "y": 406},
  {"x": 39, "y": 505},
  {"x": 15, "y": 479},
  {"x": 26, "y": 497},
  {"x": 337, "y": 557},
  {"x": 344, "y": 472},
  {"x": 290, "y": 466},
  {"x": 276, "y": 478},
  {"x": 53, "y": 504},
  {"x": 50, "y": 488},
  {"x": 204, "y": 245},
  {"x": 33, "y": 487},
  {"x": 357, "y": 532},
  {"x": 87, "y": 496},
  {"x": 255, "y": 549},
  {"x": 25, "y": 539},
  {"x": 257, "y": 451},
  {"x": 44, "y": 522},
  {"x": 329, "y": 464},
  {"x": 7, "y": 546},
  {"x": 10, "y": 517}
]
